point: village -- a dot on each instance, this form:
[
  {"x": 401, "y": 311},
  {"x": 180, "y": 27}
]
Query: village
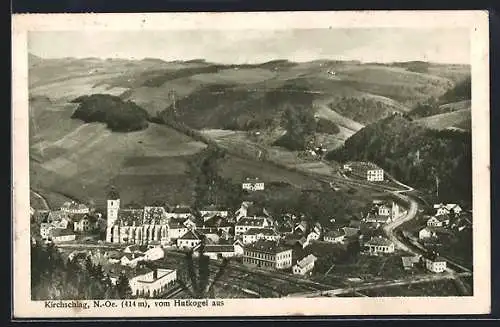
[{"x": 148, "y": 243}]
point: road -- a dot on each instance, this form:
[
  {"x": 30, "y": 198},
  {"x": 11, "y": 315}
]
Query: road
[
  {"x": 45, "y": 203},
  {"x": 410, "y": 214},
  {"x": 375, "y": 285}
]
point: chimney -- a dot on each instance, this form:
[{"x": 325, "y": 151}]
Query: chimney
[{"x": 155, "y": 274}]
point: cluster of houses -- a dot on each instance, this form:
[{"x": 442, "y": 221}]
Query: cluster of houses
[
  {"x": 70, "y": 219},
  {"x": 251, "y": 234},
  {"x": 446, "y": 218},
  {"x": 145, "y": 281}
]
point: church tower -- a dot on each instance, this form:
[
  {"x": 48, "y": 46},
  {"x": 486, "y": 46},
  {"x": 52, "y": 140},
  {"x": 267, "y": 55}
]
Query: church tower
[{"x": 113, "y": 207}]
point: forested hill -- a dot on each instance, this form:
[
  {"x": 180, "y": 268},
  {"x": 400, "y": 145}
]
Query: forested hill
[
  {"x": 119, "y": 115},
  {"x": 415, "y": 155}
]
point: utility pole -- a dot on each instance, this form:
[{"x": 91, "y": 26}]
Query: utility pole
[{"x": 173, "y": 96}]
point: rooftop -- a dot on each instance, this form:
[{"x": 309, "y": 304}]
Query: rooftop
[
  {"x": 307, "y": 260},
  {"x": 264, "y": 231},
  {"x": 247, "y": 221},
  {"x": 335, "y": 233},
  {"x": 379, "y": 241},
  {"x": 219, "y": 248},
  {"x": 62, "y": 232},
  {"x": 190, "y": 235},
  {"x": 72, "y": 205},
  {"x": 267, "y": 247}
]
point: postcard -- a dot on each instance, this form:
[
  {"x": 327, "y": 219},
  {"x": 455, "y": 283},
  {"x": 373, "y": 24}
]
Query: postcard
[{"x": 251, "y": 164}]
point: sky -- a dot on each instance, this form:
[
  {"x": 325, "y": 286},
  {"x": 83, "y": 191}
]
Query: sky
[{"x": 255, "y": 46}]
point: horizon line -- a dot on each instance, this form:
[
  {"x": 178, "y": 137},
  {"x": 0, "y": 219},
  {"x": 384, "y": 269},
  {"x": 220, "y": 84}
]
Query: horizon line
[{"x": 247, "y": 63}]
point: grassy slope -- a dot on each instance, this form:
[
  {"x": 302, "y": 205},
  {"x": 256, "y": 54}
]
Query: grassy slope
[{"x": 456, "y": 119}]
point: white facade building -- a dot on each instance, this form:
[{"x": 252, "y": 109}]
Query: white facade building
[
  {"x": 304, "y": 266},
  {"x": 153, "y": 283},
  {"x": 252, "y": 184},
  {"x": 375, "y": 175},
  {"x": 436, "y": 265}
]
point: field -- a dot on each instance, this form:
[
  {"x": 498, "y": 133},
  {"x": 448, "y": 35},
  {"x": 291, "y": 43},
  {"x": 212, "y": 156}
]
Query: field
[
  {"x": 457, "y": 119},
  {"x": 147, "y": 165}
]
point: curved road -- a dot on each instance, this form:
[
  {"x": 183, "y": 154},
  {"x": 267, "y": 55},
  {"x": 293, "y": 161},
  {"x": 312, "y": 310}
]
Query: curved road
[{"x": 45, "y": 203}]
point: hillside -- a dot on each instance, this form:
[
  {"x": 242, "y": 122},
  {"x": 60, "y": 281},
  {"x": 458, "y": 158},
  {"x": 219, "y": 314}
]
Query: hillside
[
  {"x": 241, "y": 107},
  {"x": 394, "y": 142},
  {"x": 460, "y": 119}
]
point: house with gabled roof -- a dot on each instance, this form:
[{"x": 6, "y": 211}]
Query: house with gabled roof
[
  {"x": 305, "y": 265},
  {"x": 446, "y": 209},
  {"x": 426, "y": 232},
  {"x": 439, "y": 221},
  {"x": 213, "y": 210},
  {"x": 435, "y": 263},
  {"x": 189, "y": 240},
  {"x": 244, "y": 224},
  {"x": 181, "y": 212},
  {"x": 379, "y": 244},
  {"x": 254, "y": 234},
  {"x": 335, "y": 237}
]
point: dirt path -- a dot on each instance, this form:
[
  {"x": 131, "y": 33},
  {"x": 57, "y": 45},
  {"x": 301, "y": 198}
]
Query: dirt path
[{"x": 45, "y": 203}]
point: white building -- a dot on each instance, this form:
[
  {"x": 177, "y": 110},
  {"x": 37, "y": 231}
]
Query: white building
[
  {"x": 438, "y": 221},
  {"x": 153, "y": 283},
  {"x": 375, "y": 175},
  {"x": 446, "y": 209},
  {"x": 218, "y": 251},
  {"x": 83, "y": 225},
  {"x": 153, "y": 254},
  {"x": 335, "y": 237},
  {"x": 254, "y": 234},
  {"x": 176, "y": 229},
  {"x": 252, "y": 184},
  {"x": 436, "y": 264},
  {"x": 380, "y": 244},
  {"x": 210, "y": 211},
  {"x": 74, "y": 208},
  {"x": 61, "y": 235},
  {"x": 244, "y": 224},
  {"x": 188, "y": 240},
  {"x": 426, "y": 233},
  {"x": 267, "y": 254},
  {"x": 304, "y": 266}
]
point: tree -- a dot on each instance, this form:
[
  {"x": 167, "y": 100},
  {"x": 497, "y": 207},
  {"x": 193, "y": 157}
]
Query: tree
[
  {"x": 123, "y": 287},
  {"x": 197, "y": 283}
]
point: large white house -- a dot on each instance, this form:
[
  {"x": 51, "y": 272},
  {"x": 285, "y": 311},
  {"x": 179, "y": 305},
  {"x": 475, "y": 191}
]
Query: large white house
[
  {"x": 252, "y": 184},
  {"x": 435, "y": 264},
  {"x": 375, "y": 175},
  {"x": 379, "y": 244},
  {"x": 153, "y": 283},
  {"x": 304, "y": 266}
]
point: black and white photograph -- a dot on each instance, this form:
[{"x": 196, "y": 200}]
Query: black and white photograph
[{"x": 188, "y": 168}]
